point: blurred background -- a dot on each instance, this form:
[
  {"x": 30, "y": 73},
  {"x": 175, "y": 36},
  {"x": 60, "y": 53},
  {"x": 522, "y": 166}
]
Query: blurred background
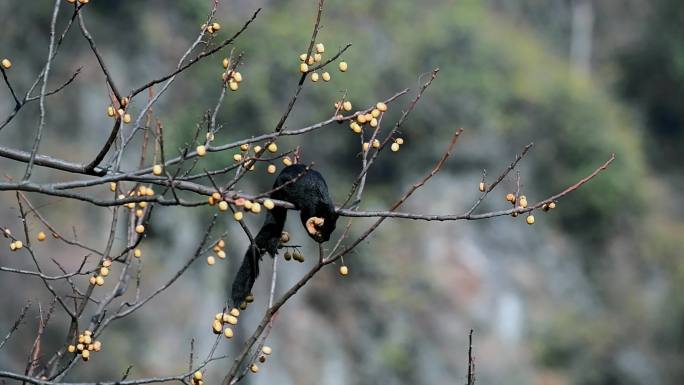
[{"x": 591, "y": 294}]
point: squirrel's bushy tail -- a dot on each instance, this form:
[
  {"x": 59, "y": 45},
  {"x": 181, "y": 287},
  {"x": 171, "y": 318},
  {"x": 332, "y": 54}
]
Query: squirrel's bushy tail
[{"x": 266, "y": 241}]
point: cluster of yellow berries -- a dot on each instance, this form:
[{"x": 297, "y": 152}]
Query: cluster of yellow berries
[
  {"x": 252, "y": 206},
  {"x": 370, "y": 118},
  {"x": 103, "y": 271},
  {"x": 211, "y": 28},
  {"x": 219, "y": 250},
  {"x": 85, "y": 343},
  {"x": 120, "y": 112},
  {"x": 265, "y": 352},
  {"x": 6, "y": 63},
  {"x": 319, "y": 49},
  {"x": 521, "y": 202},
  {"x": 222, "y": 319},
  {"x": 271, "y": 147},
  {"x": 232, "y": 78},
  {"x": 141, "y": 191}
]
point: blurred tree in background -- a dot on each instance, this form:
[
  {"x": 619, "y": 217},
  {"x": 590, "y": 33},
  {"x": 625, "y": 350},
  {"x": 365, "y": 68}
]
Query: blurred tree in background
[{"x": 589, "y": 295}]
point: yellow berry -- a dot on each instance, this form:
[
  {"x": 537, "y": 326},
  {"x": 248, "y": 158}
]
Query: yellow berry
[
  {"x": 99, "y": 280},
  {"x": 93, "y": 280},
  {"x": 482, "y": 187},
  {"x": 375, "y": 113},
  {"x": 381, "y": 106},
  {"x": 326, "y": 76},
  {"x": 237, "y": 77},
  {"x": 376, "y": 143},
  {"x": 6, "y": 64},
  {"x": 221, "y": 254},
  {"x": 233, "y": 85},
  {"x": 355, "y": 127},
  {"x": 552, "y": 205},
  {"x": 120, "y": 111},
  {"x": 399, "y": 141},
  {"x": 287, "y": 161},
  {"x": 211, "y": 260},
  {"x": 254, "y": 368},
  {"x": 530, "y": 219},
  {"x": 137, "y": 253},
  {"x": 127, "y": 118},
  {"x": 144, "y": 204},
  {"x": 373, "y": 122},
  {"x": 302, "y": 57},
  {"x": 256, "y": 208},
  {"x": 347, "y": 106},
  {"x": 244, "y": 147},
  {"x": 343, "y": 66},
  {"x": 107, "y": 262},
  {"x": 235, "y": 312},
  {"x": 18, "y": 244},
  {"x": 197, "y": 376},
  {"x": 523, "y": 201},
  {"x": 269, "y": 204},
  {"x": 110, "y": 111},
  {"x": 303, "y": 68},
  {"x": 271, "y": 169},
  {"x": 237, "y": 157},
  {"x": 394, "y": 147},
  {"x": 157, "y": 169},
  {"x": 112, "y": 186},
  {"x": 230, "y": 319},
  {"x": 85, "y": 354},
  {"x": 317, "y": 57},
  {"x": 225, "y": 63},
  {"x": 267, "y": 350},
  {"x": 320, "y": 48},
  {"x": 248, "y": 205},
  {"x": 71, "y": 348},
  {"x": 272, "y": 147},
  {"x": 257, "y": 149},
  {"x": 228, "y": 333},
  {"x": 361, "y": 119},
  {"x": 216, "y": 26},
  {"x": 223, "y": 205},
  {"x": 365, "y": 146},
  {"x": 314, "y": 77},
  {"x": 41, "y": 236},
  {"x": 139, "y": 229},
  {"x": 510, "y": 197},
  {"x": 238, "y": 215},
  {"x": 104, "y": 271},
  {"x": 201, "y": 150},
  {"x": 217, "y": 327},
  {"x": 344, "y": 270}
]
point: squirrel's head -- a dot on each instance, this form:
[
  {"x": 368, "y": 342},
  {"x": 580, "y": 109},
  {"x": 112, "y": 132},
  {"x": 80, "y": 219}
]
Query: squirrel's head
[{"x": 320, "y": 228}]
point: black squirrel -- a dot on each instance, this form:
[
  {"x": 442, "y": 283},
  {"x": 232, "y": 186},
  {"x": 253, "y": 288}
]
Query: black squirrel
[{"x": 307, "y": 191}]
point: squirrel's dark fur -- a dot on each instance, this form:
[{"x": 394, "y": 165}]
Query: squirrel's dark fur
[{"x": 309, "y": 194}]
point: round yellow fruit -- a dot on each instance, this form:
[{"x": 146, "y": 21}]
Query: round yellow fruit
[
  {"x": 272, "y": 147},
  {"x": 139, "y": 229},
  {"x": 6, "y": 64},
  {"x": 201, "y": 150},
  {"x": 157, "y": 169},
  {"x": 394, "y": 147},
  {"x": 344, "y": 270},
  {"x": 238, "y": 215},
  {"x": 320, "y": 48},
  {"x": 269, "y": 204},
  {"x": 41, "y": 236},
  {"x": 325, "y": 76},
  {"x": 271, "y": 169},
  {"x": 347, "y": 106},
  {"x": 530, "y": 219},
  {"x": 223, "y": 205},
  {"x": 343, "y": 66}
]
